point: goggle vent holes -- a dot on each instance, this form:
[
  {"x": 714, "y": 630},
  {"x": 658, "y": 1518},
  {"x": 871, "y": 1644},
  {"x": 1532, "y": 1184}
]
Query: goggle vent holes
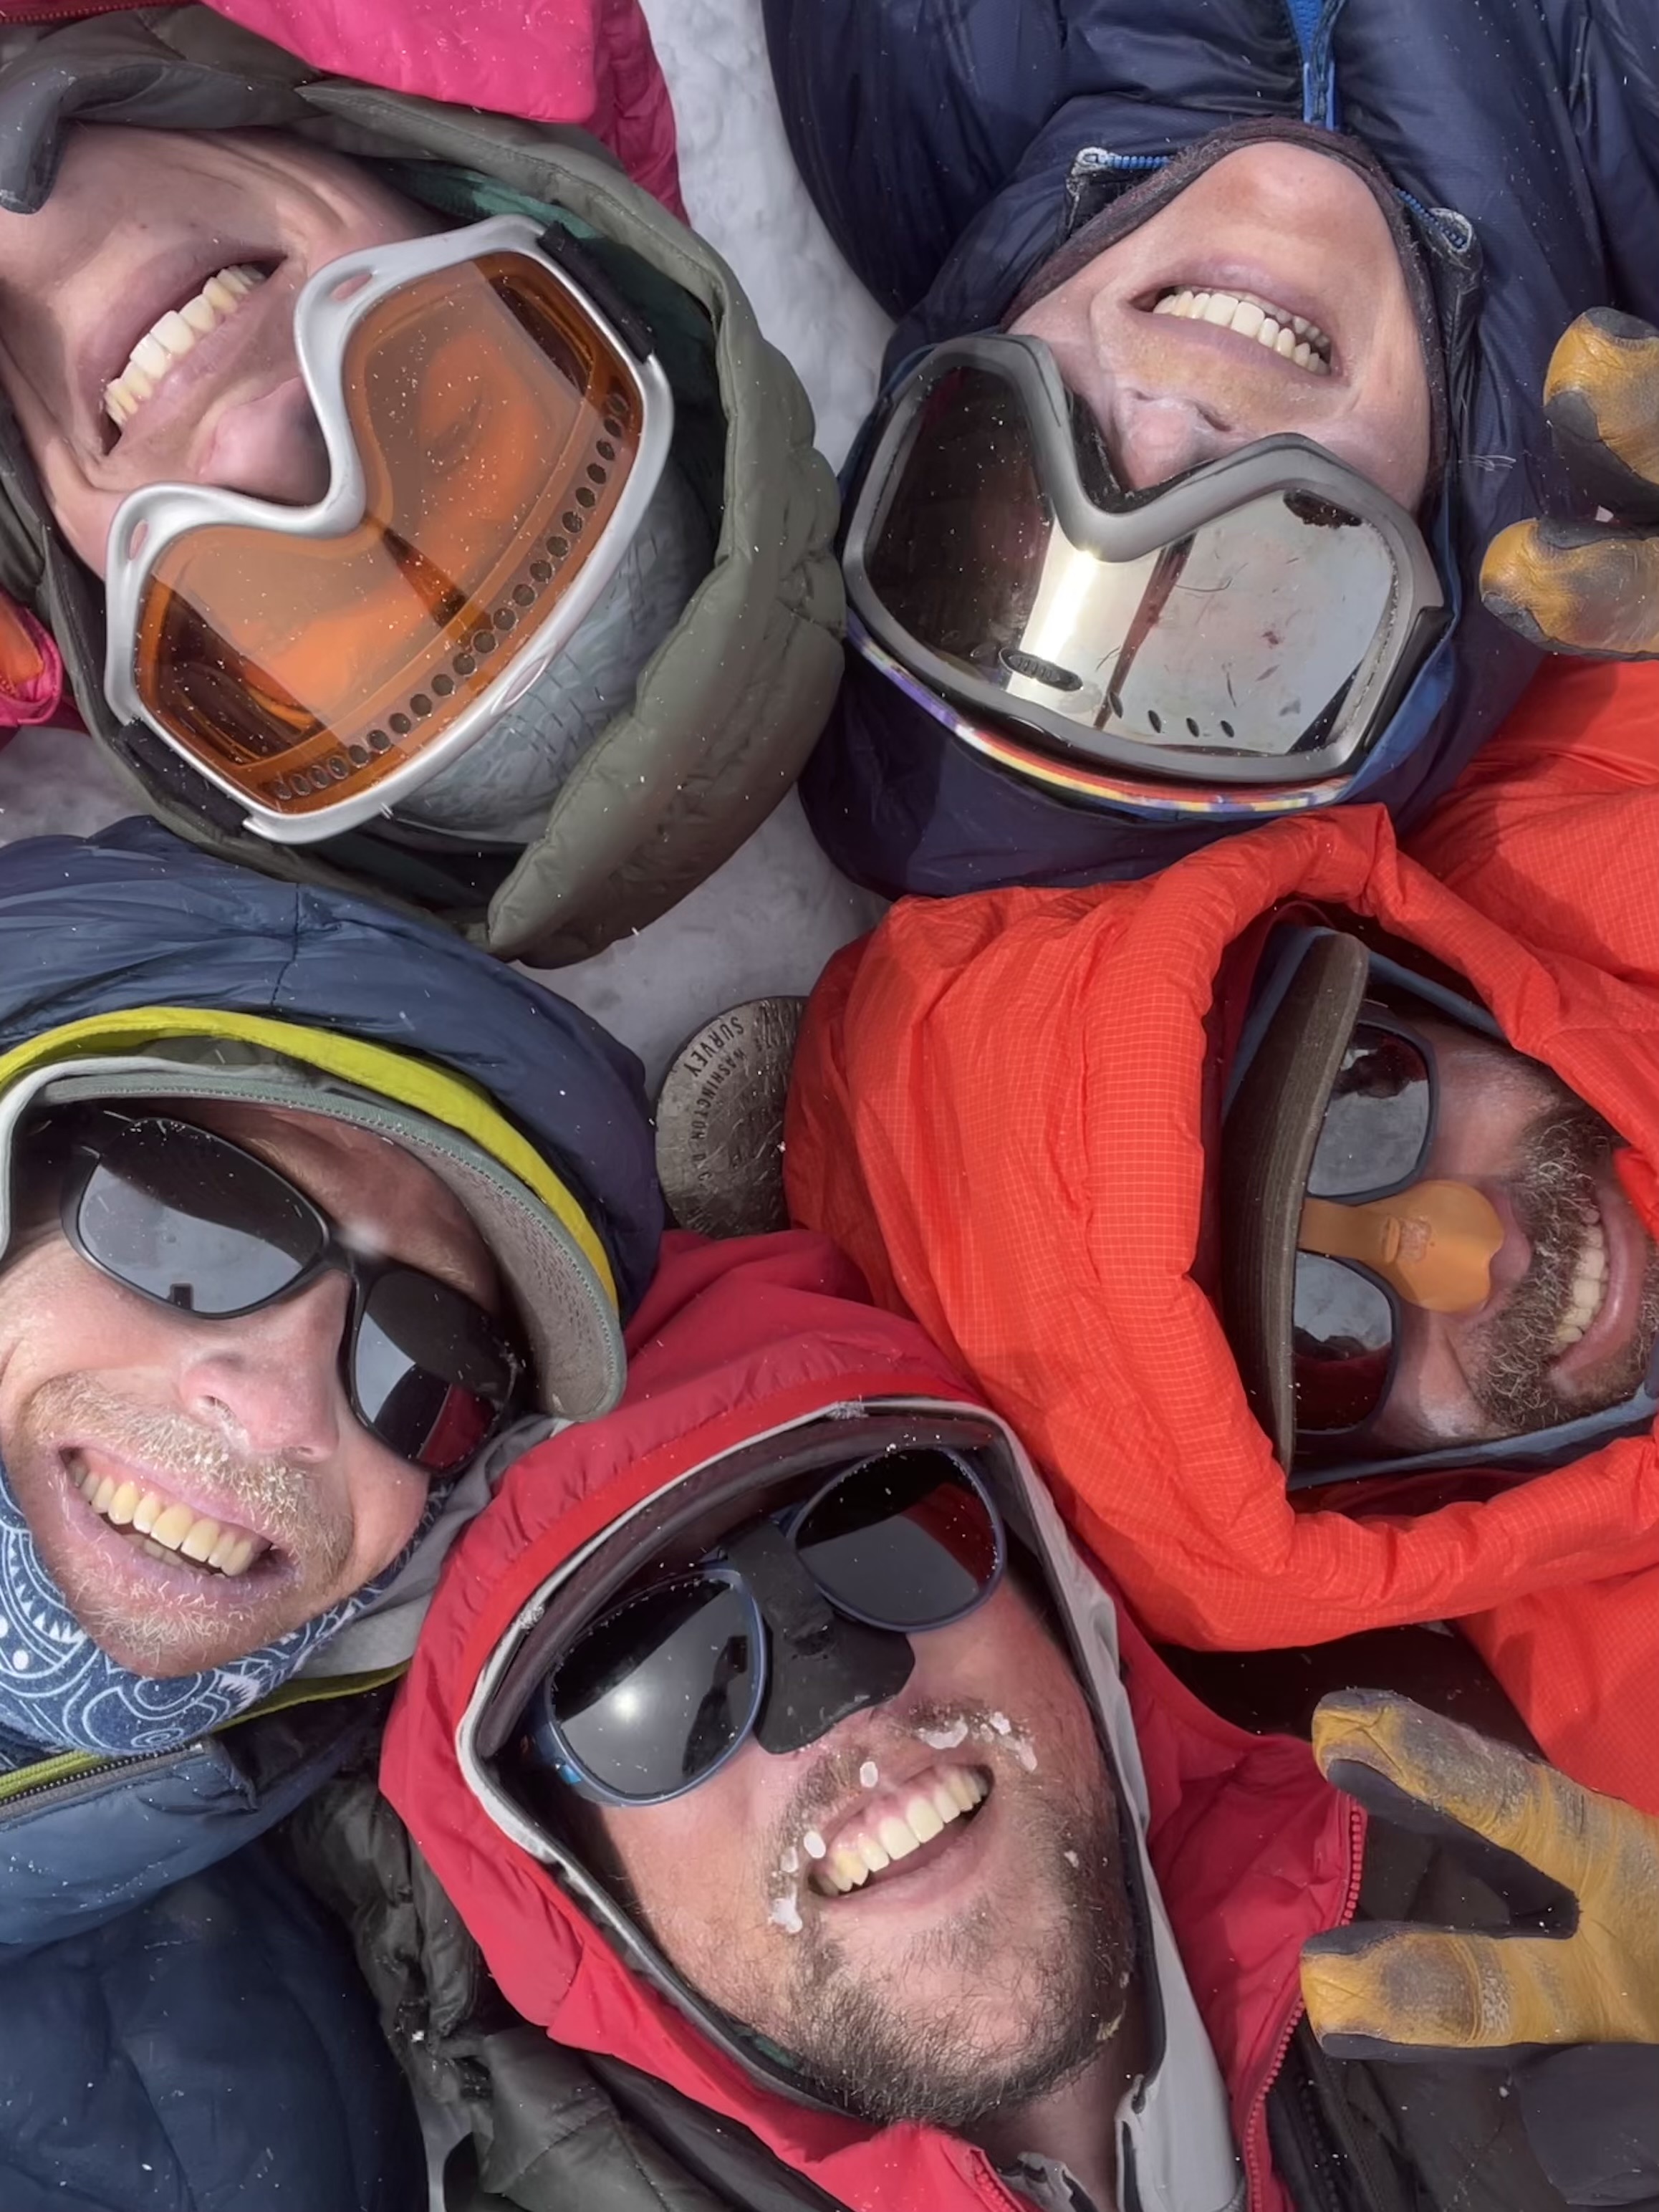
[{"x": 535, "y": 573}]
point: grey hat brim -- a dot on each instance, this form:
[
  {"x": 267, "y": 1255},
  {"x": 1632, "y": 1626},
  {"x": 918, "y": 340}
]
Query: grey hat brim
[
  {"x": 569, "y": 1322},
  {"x": 1268, "y": 1146}
]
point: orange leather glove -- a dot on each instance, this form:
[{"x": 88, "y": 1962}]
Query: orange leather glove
[
  {"x": 1591, "y": 1975},
  {"x": 1593, "y": 587}
]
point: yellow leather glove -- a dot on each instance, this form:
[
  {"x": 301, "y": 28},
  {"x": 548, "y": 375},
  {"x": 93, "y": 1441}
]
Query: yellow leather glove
[
  {"x": 1382, "y": 1990},
  {"x": 1592, "y": 588}
]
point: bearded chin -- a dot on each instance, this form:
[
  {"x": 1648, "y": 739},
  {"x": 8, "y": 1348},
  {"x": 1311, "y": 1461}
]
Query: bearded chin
[
  {"x": 1555, "y": 1199},
  {"x": 1038, "y": 1992}
]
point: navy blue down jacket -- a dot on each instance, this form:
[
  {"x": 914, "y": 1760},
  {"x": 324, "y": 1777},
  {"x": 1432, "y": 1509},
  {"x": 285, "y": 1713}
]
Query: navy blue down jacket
[
  {"x": 181, "y": 2030},
  {"x": 951, "y": 145}
]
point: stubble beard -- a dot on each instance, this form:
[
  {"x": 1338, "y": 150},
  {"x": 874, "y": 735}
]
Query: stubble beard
[
  {"x": 1038, "y": 1992},
  {"x": 277, "y": 1497}
]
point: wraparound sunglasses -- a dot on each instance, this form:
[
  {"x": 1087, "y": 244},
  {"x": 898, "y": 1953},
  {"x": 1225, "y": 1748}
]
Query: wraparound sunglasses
[
  {"x": 189, "y": 1221},
  {"x": 652, "y": 1697}
]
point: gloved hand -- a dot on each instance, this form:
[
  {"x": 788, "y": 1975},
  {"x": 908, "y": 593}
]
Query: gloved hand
[
  {"x": 1592, "y": 588},
  {"x": 1378, "y": 1990}
]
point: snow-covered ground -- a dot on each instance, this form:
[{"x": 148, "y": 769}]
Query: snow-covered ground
[{"x": 772, "y": 916}]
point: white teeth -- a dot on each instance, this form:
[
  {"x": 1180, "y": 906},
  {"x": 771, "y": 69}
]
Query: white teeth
[
  {"x": 898, "y": 1838},
  {"x": 1292, "y": 336},
  {"x": 172, "y": 336},
  {"x": 168, "y": 1527},
  {"x": 927, "y": 1811},
  {"x": 1588, "y": 1288},
  {"x": 923, "y": 1820},
  {"x": 847, "y": 1870}
]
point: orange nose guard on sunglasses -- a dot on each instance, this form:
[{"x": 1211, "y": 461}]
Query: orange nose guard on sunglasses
[
  {"x": 493, "y": 443},
  {"x": 1433, "y": 1243}
]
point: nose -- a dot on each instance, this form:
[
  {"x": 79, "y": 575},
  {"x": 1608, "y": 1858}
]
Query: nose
[
  {"x": 1156, "y": 435},
  {"x": 269, "y": 1383}
]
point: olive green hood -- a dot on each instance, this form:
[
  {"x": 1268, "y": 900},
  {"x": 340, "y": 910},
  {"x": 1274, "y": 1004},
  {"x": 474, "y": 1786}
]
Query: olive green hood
[{"x": 727, "y": 710}]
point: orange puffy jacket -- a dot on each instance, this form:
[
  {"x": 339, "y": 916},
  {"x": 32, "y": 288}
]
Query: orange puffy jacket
[{"x": 996, "y": 1110}]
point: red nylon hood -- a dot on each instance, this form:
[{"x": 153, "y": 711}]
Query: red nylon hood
[
  {"x": 997, "y": 1110},
  {"x": 1253, "y": 1850}
]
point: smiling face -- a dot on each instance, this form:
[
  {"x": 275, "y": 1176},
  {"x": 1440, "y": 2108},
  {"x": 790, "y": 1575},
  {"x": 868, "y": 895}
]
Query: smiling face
[
  {"x": 147, "y": 313},
  {"x": 926, "y": 1906},
  {"x": 230, "y": 1439},
  {"x": 1572, "y": 1316},
  {"x": 1266, "y": 297}
]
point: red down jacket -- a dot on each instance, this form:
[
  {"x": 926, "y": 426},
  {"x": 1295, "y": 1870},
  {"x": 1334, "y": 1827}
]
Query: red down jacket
[
  {"x": 1253, "y": 1850},
  {"x": 996, "y": 1111}
]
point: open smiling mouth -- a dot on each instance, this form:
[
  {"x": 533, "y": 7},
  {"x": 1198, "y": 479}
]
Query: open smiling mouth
[
  {"x": 165, "y": 1528},
  {"x": 901, "y": 1829},
  {"x": 1589, "y": 1287},
  {"x": 1292, "y": 337},
  {"x": 174, "y": 335}
]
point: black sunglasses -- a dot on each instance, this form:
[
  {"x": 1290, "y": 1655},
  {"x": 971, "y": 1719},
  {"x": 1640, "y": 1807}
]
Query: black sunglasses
[
  {"x": 651, "y": 1698},
  {"x": 1375, "y": 1136},
  {"x": 190, "y": 1221}
]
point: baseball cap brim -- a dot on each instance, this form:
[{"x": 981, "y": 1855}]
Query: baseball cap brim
[
  {"x": 1268, "y": 1145},
  {"x": 565, "y": 1298}
]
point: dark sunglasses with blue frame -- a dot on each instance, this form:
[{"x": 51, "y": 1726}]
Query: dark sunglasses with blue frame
[{"x": 654, "y": 1695}]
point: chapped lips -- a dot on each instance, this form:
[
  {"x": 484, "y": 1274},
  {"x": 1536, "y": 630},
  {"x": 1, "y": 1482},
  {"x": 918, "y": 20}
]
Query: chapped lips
[{"x": 892, "y": 1823}]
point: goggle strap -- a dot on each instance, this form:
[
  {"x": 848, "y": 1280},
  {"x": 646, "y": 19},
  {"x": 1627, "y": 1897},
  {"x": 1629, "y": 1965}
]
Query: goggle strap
[{"x": 585, "y": 272}]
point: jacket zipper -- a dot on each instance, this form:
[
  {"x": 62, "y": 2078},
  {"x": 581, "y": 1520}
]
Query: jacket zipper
[
  {"x": 1255, "y": 2125},
  {"x": 72, "y": 1768}
]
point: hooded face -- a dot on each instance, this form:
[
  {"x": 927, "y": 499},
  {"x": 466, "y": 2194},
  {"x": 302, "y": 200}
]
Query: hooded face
[
  {"x": 147, "y": 313},
  {"x": 1572, "y": 1316},
  {"x": 926, "y": 1906},
  {"x": 1266, "y": 297},
  {"x": 231, "y": 1437}
]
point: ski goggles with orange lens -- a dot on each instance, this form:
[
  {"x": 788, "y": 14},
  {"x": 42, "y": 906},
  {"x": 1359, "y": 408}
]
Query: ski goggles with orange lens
[
  {"x": 493, "y": 439},
  {"x": 1254, "y": 621}
]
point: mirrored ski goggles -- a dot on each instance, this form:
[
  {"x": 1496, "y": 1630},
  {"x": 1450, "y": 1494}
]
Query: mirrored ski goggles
[
  {"x": 1374, "y": 1232},
  {"x": 655, "y": 1695},
  {"x": 190, "y": 1221},
  {"x": 1254, "y": 621},
  {"x": 493, "y": 439}
]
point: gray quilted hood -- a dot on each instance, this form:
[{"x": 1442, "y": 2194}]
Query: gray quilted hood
[{"x": 724, "y": 713}]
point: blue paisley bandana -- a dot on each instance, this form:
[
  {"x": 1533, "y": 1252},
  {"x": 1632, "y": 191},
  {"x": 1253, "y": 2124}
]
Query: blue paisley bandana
[{"x": 58, "y": 1692}]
